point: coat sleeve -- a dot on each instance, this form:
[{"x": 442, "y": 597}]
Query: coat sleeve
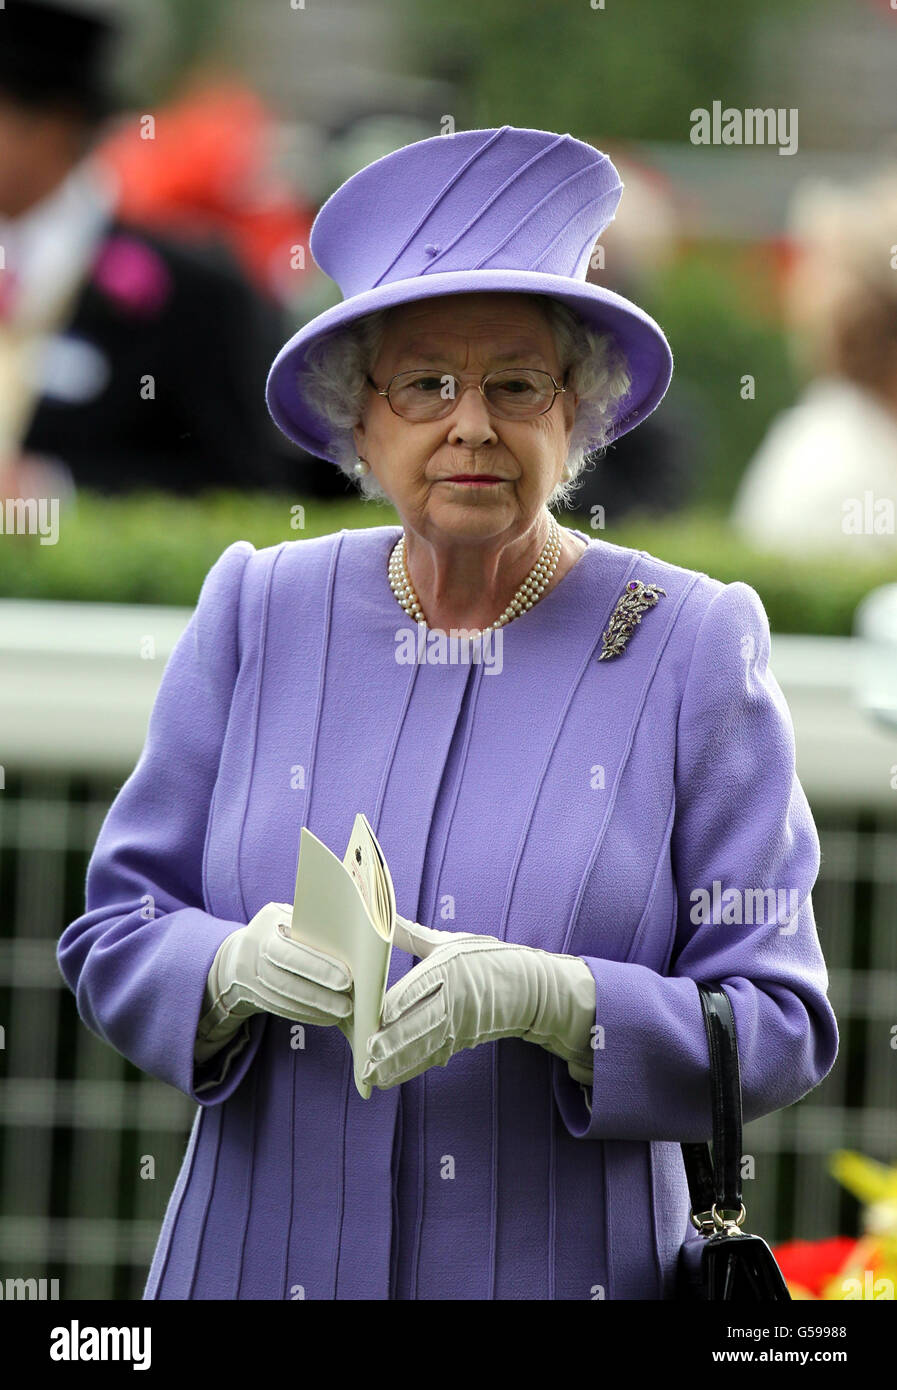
[
  {"x": 137, "y": 960},
  {"x": 741, "y": 822}
]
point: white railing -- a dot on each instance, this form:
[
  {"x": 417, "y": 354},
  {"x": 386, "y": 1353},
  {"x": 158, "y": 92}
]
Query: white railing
[{"x": 77, "y": 682}]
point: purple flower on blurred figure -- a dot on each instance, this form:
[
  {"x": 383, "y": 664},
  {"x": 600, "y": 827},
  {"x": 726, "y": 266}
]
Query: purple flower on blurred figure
[{"x": 133, "y": 274}]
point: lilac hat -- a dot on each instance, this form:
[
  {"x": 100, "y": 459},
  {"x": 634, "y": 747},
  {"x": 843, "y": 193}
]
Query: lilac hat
[{"x": 507, "y": 210}]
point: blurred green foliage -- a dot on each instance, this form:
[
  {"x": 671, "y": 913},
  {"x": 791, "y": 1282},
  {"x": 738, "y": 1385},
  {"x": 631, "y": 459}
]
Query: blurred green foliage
[
  {"x": 156, "y": 548},
  {"x": 632, "y": 70},
  {"x": 717, "y": 305}
]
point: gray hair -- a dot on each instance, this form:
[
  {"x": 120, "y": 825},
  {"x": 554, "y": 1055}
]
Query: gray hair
[{"x": 335, "y": 387}]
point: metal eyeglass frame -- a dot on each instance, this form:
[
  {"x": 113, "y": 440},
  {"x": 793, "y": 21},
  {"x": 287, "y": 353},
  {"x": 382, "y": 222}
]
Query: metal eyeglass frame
[{"x": 453, "y": 400}]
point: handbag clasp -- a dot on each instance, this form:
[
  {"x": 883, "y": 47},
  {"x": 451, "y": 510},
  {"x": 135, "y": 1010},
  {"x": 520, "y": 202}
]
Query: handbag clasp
[{"x": 723, "y": 1224}]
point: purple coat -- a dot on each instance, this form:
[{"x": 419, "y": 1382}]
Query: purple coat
[{"x": 595, "y": 808}]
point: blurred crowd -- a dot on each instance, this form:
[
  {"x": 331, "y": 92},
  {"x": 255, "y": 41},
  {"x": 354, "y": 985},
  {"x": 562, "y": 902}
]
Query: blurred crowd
[{"x": 139, "y": 309}]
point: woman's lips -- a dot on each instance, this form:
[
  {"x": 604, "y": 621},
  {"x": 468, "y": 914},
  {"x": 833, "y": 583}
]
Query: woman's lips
[{"x": 476, "y": 480}]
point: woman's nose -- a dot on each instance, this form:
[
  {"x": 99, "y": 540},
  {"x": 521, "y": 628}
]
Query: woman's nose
[{"x": 470, "y": 422}]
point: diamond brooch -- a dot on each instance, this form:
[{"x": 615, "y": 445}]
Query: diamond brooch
[{"x": 635, "y": 600}]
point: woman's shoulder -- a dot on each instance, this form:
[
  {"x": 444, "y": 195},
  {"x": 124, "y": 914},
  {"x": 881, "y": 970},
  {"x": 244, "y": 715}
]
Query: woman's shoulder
[
  {"x": 718, "y": 611},
  {"x": 247, "y": 578},
  {"x": 697, "y": 588},
  {"x": 299, "y": 555}
]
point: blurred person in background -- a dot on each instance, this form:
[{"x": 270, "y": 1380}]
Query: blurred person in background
[
  {"x": 825, "y": 476},
  {"x": 221, "y": 165},
  {"x": 128, "y": 359}
]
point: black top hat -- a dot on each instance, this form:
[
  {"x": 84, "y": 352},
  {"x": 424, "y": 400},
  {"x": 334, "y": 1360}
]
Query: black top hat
[{"x": 53, "y": 54}]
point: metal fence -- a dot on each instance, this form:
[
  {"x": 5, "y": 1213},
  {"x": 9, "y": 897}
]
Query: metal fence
[
  {"x": 75, "y": 1117},
  {"x": 77, "y": 1120}
]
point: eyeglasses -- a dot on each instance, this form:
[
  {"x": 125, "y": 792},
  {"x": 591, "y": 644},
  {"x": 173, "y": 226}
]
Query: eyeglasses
[{"x": 515, "y": 393}]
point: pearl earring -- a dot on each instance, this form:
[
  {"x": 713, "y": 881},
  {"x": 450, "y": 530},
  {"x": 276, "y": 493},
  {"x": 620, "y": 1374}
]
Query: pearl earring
[
  {"x": 568, "y": 472},
  {"x": 361, "y": 467}
]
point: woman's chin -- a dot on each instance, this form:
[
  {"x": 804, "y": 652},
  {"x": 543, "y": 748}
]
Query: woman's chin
[{"x": 474, "y": 516}]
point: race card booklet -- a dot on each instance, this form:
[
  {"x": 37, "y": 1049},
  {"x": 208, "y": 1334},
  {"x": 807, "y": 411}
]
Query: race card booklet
[{"x": 347, "y": 908}]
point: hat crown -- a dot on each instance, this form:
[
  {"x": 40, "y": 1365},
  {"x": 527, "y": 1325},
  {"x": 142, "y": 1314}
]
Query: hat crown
[{"x": 505, "y": 198}]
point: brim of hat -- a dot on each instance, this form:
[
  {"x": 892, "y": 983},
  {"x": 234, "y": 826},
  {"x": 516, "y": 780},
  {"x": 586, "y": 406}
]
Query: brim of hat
[{"x": 647, "y": 352}]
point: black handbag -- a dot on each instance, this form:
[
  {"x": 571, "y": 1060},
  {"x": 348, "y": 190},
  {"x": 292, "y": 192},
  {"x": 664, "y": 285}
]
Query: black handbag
[{"x": 726, "y": 1263}]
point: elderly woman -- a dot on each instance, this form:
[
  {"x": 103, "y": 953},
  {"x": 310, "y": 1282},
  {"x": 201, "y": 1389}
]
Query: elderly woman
[{"x": 577, "y": 833}]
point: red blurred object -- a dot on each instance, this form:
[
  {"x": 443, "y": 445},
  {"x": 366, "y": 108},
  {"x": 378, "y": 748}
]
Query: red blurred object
[
  {"x": 811, "y": 1263},
  {"x": 207, "y": 170},
  {"x": 784, "y": 252},
  {"x": 767, "y": 265}
]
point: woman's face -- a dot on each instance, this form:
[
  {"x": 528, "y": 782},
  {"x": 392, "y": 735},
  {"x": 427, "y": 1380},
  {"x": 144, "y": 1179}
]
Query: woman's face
[{"x": 467, "y": 335}]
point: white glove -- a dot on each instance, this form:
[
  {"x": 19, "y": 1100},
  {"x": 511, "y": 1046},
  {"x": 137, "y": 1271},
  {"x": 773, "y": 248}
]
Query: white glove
[
  {"x": 260, "y": 968},
  {"x": 470, "y": 989}
]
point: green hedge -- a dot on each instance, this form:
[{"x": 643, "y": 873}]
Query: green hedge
[{"x": 156, "y": 548}]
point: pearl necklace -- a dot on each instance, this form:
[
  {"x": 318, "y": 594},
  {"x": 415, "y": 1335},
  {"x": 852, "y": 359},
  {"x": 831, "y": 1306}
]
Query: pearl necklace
[{"x": 529, "y": 593}]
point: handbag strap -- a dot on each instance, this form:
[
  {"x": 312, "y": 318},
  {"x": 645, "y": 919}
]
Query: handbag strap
[{"x": 718, "y": 1180}]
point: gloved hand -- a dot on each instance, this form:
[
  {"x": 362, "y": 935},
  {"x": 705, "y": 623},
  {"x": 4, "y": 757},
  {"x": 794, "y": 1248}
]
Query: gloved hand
[
  {"x": 260, "y": 968},
  {"x": 470, "y": 989}
]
